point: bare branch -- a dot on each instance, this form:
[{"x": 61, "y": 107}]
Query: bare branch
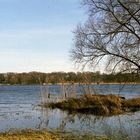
[{"x": 112, "y": 33}]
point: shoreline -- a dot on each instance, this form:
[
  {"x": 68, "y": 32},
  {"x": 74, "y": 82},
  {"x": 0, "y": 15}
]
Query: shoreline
[{"x": 129, "y": 83}]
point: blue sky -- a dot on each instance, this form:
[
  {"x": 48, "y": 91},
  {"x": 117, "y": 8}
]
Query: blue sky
[{"x": 36, "y": 35}]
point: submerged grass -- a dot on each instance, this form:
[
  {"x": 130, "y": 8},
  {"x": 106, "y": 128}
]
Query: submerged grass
[
  {"x": 44, "y": 135},
  {"x": 98, "y": 104}
]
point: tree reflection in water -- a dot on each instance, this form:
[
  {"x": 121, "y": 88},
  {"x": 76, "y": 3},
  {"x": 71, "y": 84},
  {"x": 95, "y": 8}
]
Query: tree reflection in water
[{"x": 114, "y": 127}]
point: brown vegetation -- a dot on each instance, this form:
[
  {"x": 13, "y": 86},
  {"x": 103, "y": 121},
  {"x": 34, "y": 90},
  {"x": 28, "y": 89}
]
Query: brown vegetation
[
  {"x": 98, "y": 104},
  {"x": 69, "y": 77},
  {"x": 131, "y": 104},
  {"x": 44, "y": 135},
  {"x": 28, "y": 135}
]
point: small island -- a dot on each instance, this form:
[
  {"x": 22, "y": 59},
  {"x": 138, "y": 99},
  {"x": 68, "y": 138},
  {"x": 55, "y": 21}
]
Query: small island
[{"x": 97, "y": 104}]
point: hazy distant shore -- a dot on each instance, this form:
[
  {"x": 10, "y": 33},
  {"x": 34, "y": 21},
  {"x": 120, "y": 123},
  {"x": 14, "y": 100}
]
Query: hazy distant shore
[{"x": 127, "y": 83}]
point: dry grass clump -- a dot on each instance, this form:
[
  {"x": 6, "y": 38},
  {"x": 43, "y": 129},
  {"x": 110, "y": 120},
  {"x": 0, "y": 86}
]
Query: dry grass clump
[
  {"x": 98, "y": 104},
  {"x": 28, "y": 135},
  {"x": 44, "y": 135},
  {"x": 105, "y": 104},
  {"x": 131, "y": 104}
]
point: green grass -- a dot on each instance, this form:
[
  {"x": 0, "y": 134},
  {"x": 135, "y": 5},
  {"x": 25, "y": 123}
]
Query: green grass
[{"x": 98, "y": 104}]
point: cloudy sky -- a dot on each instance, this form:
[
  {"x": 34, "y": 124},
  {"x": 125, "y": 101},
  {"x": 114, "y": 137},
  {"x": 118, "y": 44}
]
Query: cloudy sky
[{"x": 36, "y": 35}]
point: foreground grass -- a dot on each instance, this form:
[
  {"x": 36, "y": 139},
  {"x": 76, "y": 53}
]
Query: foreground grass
[
  {"x": 28, "y": 135},
  {"x": 98, "y": 104},
  {"x": 43, "y": 135}
]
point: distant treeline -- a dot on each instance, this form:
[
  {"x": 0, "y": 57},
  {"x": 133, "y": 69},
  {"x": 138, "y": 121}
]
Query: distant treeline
[{"x": 70, "y": 77}]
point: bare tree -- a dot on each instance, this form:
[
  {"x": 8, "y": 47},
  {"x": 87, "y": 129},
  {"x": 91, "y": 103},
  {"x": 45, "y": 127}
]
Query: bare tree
[{"x": 110, "y": 35}]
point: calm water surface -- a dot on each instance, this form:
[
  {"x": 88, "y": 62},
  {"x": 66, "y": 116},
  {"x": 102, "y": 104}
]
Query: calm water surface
[{"x": 19, "y": 110}]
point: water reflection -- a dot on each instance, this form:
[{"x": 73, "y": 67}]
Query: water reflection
[
  {"x": 19, "y": 110},
  {"x": 121, "y": 126},
  {"x": 35, "y": 117}
]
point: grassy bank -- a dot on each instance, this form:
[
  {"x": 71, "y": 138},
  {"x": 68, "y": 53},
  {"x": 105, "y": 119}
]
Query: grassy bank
[
  {"x": 28, "y": 135},
  {"x": 98, "y": 104},
  {"x": 44, "y": 135}
]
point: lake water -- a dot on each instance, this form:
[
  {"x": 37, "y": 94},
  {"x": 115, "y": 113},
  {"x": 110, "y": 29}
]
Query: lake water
[{"x": 19, "y": 110}]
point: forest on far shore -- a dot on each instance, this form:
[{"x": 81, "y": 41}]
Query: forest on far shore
[{"x": 69, "y": 77}]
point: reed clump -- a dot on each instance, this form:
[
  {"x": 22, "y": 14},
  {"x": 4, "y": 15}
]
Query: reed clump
[
  {"x": 98, "y": 104},
  {"x": 132, "y": 104}
]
